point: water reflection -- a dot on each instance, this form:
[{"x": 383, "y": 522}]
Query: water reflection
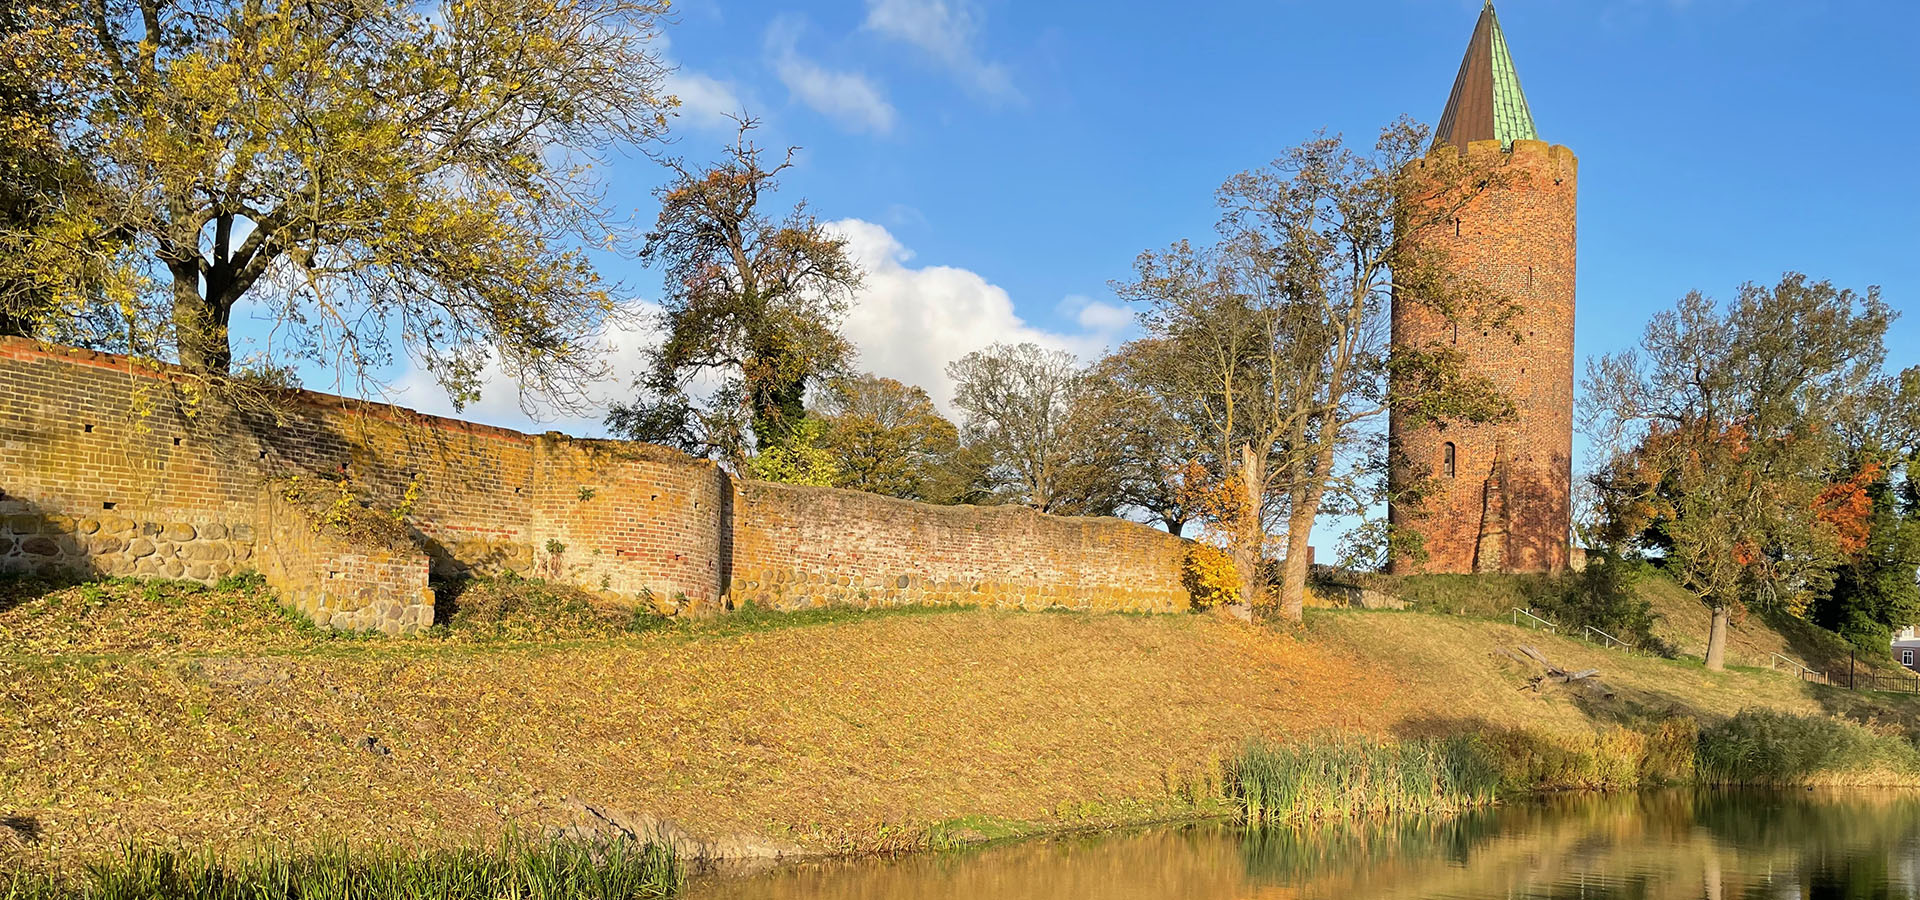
[{"x": 1711, "y": 845}]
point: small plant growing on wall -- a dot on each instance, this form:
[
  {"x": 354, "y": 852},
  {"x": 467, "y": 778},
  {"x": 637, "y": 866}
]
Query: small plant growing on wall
[
  {"x": 586, "y": 493},
  {"x": 408, "y": 499},
  {"x": 332, "y": 505},
  {"x": 554, "y": 549}
]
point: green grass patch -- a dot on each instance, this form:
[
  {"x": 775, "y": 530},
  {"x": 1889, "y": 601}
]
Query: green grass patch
[
  {"x": 619, "y": 870},
  {"x": 964, "y": 831}
]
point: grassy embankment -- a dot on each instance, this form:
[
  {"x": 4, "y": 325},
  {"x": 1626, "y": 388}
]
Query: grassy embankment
[{"x": 208, "y": 720}]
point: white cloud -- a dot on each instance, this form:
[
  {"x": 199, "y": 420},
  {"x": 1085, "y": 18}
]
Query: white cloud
[
  {"x": 849, "y": 98},
  {"x": 909, "y": 323},
  {"x": 624, "y": 344},
  {"x": 906, "y": 322},
  {"x": 947, "y": 32},
  {"x": 705, "y": 101},
  {"x": 1099, "y": 318}
]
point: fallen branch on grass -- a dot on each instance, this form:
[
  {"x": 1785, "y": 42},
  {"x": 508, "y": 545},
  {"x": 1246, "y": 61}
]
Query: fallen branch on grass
[{"x": 1586, "y": 678}]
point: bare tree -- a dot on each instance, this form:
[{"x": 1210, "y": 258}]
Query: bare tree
[{"x": 1020, "y": 402}]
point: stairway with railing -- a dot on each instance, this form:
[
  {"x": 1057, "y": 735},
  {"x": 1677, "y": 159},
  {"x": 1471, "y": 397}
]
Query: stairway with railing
[{"x": 1853, "y": 678}]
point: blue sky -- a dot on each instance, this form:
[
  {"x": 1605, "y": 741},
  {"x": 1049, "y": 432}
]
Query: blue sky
[{"x": 999, "y": 163}]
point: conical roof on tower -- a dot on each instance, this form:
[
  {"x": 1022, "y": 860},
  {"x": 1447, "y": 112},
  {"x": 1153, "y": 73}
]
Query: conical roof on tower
[{"x": 1487, "y": 103}]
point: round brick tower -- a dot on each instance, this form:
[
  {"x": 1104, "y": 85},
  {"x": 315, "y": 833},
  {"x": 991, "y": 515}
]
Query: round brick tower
[{"x": 1500, "y": 499}]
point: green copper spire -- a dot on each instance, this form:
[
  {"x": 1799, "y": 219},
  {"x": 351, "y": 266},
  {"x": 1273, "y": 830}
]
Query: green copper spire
[{"x": 1487, "y": 103}]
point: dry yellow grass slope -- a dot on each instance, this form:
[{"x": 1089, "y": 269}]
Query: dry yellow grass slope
[{"x": 834, "y": 732}]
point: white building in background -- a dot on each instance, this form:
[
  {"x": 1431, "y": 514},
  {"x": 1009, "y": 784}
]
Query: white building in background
[{"x": 1906, "y": 647}]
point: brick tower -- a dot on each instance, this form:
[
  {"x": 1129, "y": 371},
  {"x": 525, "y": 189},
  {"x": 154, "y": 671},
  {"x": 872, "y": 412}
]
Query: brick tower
[{"x": 1501, "y": 495}]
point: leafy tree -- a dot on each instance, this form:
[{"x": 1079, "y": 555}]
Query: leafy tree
[
  {"x": 887, "y": 438},
  {"x": 1722, "y": 428},
  {"x": 1140, "y": 423},
  {"x": 1025, "y": 405},
  {"x": 1876, "y": 507},
  {"x": 1281, "y": 328},
  {"x": 61, "y": 277},
  {"x": 1875, "y": 591},
  {"x": 367, "y": 168},
  {"x": 751, "y": 301},
  {"x": 801, "y": 460}
]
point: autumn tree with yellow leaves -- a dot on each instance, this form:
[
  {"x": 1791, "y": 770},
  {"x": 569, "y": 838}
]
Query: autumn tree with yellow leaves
[{"x": 363, "y": 172}]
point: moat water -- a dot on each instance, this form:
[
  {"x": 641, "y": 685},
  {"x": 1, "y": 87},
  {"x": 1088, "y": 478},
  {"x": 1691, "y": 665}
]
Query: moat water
[{"x": 1716, "y": 845}]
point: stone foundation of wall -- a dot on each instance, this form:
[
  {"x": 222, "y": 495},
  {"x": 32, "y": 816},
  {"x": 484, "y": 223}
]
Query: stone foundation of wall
[{"x": 115, "y": 545}]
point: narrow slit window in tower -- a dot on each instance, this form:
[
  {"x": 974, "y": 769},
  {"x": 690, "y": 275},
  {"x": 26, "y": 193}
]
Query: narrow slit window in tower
[{"x": 1446, "y": 459}]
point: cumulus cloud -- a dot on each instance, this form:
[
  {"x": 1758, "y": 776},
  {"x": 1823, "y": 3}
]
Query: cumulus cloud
[
  {"x": 624, "y": 344},
  {"x": 849, "y": 98},
  {"x": 909, "y": 322},
  {"x": 947, "y": 32},
  {"x": 705, "y": 102}
]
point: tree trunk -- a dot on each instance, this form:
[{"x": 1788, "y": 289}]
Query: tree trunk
[
  {"x": 1717, "y": 641},
  {"x": 1306, "y": 508},
  {"x": 199, "y": 325},
  {"x": 1250, "y": 536},
  {"x": 1293, "y": 569}
]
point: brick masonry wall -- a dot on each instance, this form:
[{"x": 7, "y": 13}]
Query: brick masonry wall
[
  {"x": 344, "y": 582},
  {"x": 630, "y": 518},
  {"x": 1507, "y": 506},
  {"x": 798, "y": 546},
  {"x": 108, "y": 466},
  {"x": 98, "y": 452}
]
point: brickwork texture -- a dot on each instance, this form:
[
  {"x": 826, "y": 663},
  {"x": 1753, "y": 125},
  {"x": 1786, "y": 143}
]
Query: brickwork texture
[
  {"x": 1503, "y": 496},
  {"x": 110, "y": 466}
]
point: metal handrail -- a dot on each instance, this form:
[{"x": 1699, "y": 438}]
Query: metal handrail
[
  {"x": 1611, "y": 640},
  {"x": 1804, "y": 671},
  {"x": 1549, "y": 623}
]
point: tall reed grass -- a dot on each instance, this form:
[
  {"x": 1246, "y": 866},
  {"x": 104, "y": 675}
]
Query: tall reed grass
[
  {"x": 1332, "y": 776},
  {"x": 1763, "y": 747},
  {"x": 1613, "y": 758},
  {"x": 517, "y": 870}
]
